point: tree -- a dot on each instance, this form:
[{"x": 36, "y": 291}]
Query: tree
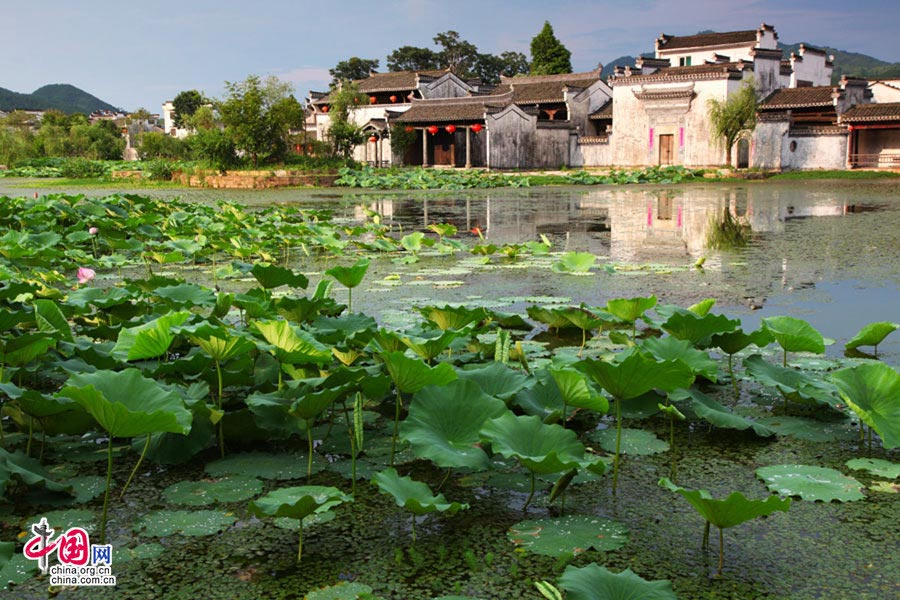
[
  {"x": 203, "y": 118},
  {"x": 548, "y": 55},
  {"x": 186, "y": 104},
  {"x": 733, "y": 117},
  {"x": 258, "y": 116},
  {"x": 489, "y": 67},
  {"x": 352, "y": 69},
  {"x": 412, "y": 58},
  {"x": 344, "y": 134},
  {"x": 457, "y": 55}
]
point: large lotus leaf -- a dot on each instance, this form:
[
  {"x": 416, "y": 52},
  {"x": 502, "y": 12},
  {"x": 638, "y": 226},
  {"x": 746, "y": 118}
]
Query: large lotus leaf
[
  {"x": 341, "y": 591},
  {"x": 794, "y": 385},
  {"x": 689, "y": 326},
  {"x": 313, "y": 401},
  {"x": 430, "y": 347},
  {"x": 271, "y": 412},
  {"x": 496, "y": 379},
  {"x": 630, "y": 309},
  {"x": 636, "y": 374},
  {"x": 235, "y": 488},
  {"x": 731, "y": 511},
  {"x": 872, "y": 390},
  {"x": 553, "y": 318},
  {"x": 292, "y": 345},
  {"x": 811, "y": 430},
  {"x": 271, "y": 276},
  {"x": 414, "y": 496},
  {"x": 876, "y": 466},
  {"x": 795, "y": 335},
  {"x": 162, "y": 523},
  {"x": 50, "y": 319},
  {"x": 410, "y": 374},
  {"x": 584, "y": 319},
  {"x": 569, "y": 535},
  {"x": 36, "y": 404},
  {"x": 872, "y": 334},
  {"x": 27, "y": 470},
  {"x": 539, "y": 447},
  {"x": 350, "y": 276},
  {"x": 543, "y": 400},
  {"x": 23, "y": 349},
  {"x": 452, "y": 317},
  {"x": 258, "y": 464},
  {"x": 575, "y": 390},
  {"x": 444, "y": 422},
  {"x": 14, "y": 567},
  {"x": 322, "y": 515},
  {"x": 355, "y": 326},
  {"x": 151, "y": 339},
  {"x": 594, "y": 582},
  {"x": 298, "y": 502},
  {"x": 670, "y": 348},
  {"x": 637, "y": 442},
  {"x": 126, "y": 404},
  {"x": 186, "y": 295},
  {"x": 735, "y": 341},
  {"x": 574, "y": 262},
  {"x": 811, "y": 483},
  {"x": 61, "y": 520},
  {"x": 721, "y": 416},
  {"x": 218, "y": 342}
]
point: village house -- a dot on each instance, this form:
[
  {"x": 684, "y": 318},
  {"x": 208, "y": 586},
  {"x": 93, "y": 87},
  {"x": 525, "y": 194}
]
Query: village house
[{"x": 885, "y": 90}]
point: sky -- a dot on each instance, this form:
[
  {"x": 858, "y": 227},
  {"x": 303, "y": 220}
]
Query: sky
[{"x": 140, "y": 54}]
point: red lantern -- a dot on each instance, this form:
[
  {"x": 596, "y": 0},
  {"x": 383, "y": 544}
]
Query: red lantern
[
  {"x": 373, "y": 139},
  {"x": 325, "y": 109},
  {"x": 393, "y": 98},
  {"x": 450, "y": 128},
  {"x": 849, "y": 127},
  {"x": 372, "y": 99},
  {"x": 410, "y": 129},
  {"x": 477, "y": 127},
  {"x": 433, "y": 129}
]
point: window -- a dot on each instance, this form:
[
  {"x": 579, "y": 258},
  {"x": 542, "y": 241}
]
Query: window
[{"x": 684, "y": 61}]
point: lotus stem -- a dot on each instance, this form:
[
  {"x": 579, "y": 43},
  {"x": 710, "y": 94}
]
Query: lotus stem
[
  {"x": 705, "y": 543},
  {"x": 721, "y": 551},
  {"x": 531, "y": 495},
  {"x": 43, "y": 440},
  {"x": 310, "y": 440},
  {"x": 583, "y": 342},
  {"x": 618, "y": 445},
  {"x": 349, "y": 299},
  {"x": 446, "y": 477},
  {"x": 414, "y": 529},
  {"x": 565, "y": 410},
  {"x": 784, "y": 359},
  {"x": 672, "y": 448},
  {"x": 136, "y": 467},
  {"x": 30, "y": 435},
  {"x": 219, "y": 406},
  {"x": 737, "y": 393},
  {"x": 397, "y": 406},
  {"x": 106, "y": 494}
]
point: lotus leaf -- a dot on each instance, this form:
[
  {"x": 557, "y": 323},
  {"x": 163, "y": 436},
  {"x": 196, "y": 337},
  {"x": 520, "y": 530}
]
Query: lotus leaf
[
  {"x": 570, "y": 535},
  {"x": 341, "y": 591},
  {"x": 876, "y": 466},
  {"x": 429, "y": 347},
  {"x": 872, "y": 335},
  {"x": 574, "y": 262},
  {"x": 414, "y": 496},
  {"x": 554, "y": 318},
  {"x": 271, "y": 276},
  {"x": 594, "y": 582},
  {"x": 696, "y": 329},
  {"x": 350, "y": 277},
  {"x": 162, "y": 523},
  {"x": 811, "y": 483},
  {"x": 793, "y": 385},
  {"x": 812, "y": 430},
  {"x": 21, "y": 350},
  {"x": 720, "y": 416},
  {"x": 576, "y": 391},
  {"x": 186, "y": 295},
  {"x": 235, "y": 488},
  {"x": 872, "y": 390},
  {"x": 411, "y": 375},
  {"x": 258, "y": 464},
  {"x": 543, "y": 400},
  {"x": 885, "y": 487},
  {"x": 671, "y": 348},
  {"x": 317, "y": 518},
  {"x": 635, "y": 374},
  {"x": 496, "y": 379},
  {"x": 733, "y": 342},
  {"x": 14, "y": 567},
  {"x": 291, "y": 345},
  {"x": 61, "y": 520},
  {"x": 150, "y": 340},
  {"x": 298, "y": 502},
  {"x": 795, "y": 335},
  {"x": 452, "y": 317},
  {"x": 50, "y": 319},
  {"x": 444, "y": 422},
  {"x": 630, "y": 309},
  {"x": 637, "y": 442}
]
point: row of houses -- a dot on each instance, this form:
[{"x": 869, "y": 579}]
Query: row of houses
[{"x": 653, "y": 113}]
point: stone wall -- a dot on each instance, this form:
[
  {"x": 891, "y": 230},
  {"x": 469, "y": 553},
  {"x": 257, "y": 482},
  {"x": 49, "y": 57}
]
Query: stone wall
[
  {"x": 595, "y": 151},
  {"x": 255, "y": 179},
  {"x": 825, "y": 148},
  {"x": 767, "y": 142}
]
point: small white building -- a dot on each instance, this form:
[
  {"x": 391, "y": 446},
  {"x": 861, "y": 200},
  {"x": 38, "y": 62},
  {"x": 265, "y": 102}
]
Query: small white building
[
  {"x": 168, "y": 113},
  {"x": 885, "y": 90}
]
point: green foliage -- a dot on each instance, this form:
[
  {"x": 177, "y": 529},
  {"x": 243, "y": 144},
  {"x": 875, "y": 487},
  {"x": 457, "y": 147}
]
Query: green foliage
[
  {"x": 872, "y": 335},
  {"x": 733, "y": 117},
  {"x": 186, "y": 104},
  {"x": 156, "y": 145},
  {"x": 352, "y": 69},
  {"x": 872, "y": 390},
  {"x": 548, "y": 55},
  {"x": 570, "y": 535},
  {"x": 594, "y": 582},
  {"x": 811, "y": 483},
  {"x": 401, "y": 139},
  {"x": 412, "y": 58},
  {"x": 414, "y": 496}
]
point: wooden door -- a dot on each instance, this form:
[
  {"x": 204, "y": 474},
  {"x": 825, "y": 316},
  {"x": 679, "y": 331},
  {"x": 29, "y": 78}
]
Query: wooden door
[
  {"x": 666, "y": 149},
  {"x": 444, "y": 154}
]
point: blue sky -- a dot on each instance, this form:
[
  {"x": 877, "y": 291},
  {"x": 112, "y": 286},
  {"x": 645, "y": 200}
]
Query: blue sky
[{"x": 135, "y": 54}]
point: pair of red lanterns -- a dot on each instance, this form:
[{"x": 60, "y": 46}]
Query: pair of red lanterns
[{"x": 450, "y": 128}]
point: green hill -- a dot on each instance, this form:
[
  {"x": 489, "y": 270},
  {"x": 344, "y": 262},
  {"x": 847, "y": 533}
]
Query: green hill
[
  {"x": 59, "y": 96},
  {"x": 852, "y": 64}
]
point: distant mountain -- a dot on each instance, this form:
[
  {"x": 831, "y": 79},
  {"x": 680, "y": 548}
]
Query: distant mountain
[
  {"x": 59, "y": 96},
  {"x": 622, "y": 61},
  {"x": 852, "y": 64}
]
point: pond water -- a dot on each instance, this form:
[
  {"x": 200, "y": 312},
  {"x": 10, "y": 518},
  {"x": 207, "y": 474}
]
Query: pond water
[
  {"x": 827, "y": 252},
  {"x": 824, "y": 251}
]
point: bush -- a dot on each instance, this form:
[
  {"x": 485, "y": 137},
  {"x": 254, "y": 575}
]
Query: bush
[
  {"x": 158, "y": 170},
  {"x": 214, "y": 147},
  {"x": 82, "y": 168},
  {"x": 153, "y": 145}
]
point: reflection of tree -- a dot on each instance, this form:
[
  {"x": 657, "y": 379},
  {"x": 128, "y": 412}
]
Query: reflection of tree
[{"x": 728, "y": 234}]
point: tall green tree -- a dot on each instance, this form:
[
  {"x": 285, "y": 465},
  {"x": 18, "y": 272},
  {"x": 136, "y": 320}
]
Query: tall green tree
[
  {"x": 733, "y": 117},
  {"x": 548, "y": 55},
  {"x": 186, "y": 104},
  {"x": 489, "y": 67},
  {"x": 412, "y": 58},
  {"x": 456, "y": 54},
  {"x": 343, "y": 133},
  {"x": 352, "y": 69}
]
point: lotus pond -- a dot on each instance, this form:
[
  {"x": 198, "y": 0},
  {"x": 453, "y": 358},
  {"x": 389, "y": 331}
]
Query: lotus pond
[{"x": 656, "y": 392}]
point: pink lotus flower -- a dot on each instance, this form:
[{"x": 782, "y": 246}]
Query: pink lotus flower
[
  {"x": 85, "y": 274},
  {"x": 93, "y": 231}
]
